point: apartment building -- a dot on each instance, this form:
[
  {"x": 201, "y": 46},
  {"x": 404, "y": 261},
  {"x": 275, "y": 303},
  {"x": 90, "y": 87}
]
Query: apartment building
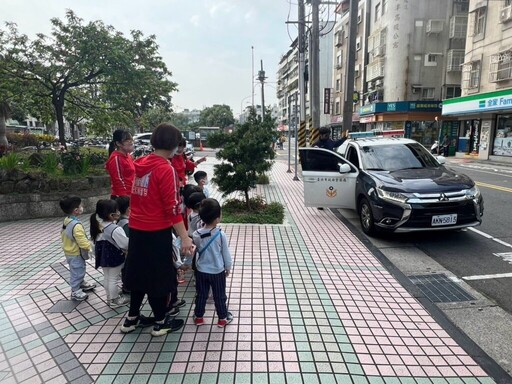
[
  {"x": 412, "y": 61},
  {"x": 485, "y": 108},
  {"x": 288, "y": 77}
]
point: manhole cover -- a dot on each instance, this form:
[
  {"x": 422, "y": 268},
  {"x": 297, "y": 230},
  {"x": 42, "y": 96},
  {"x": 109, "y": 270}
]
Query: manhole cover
[
  {"x": 439, "y": 288},
  {"x": 63, "y": 306}
]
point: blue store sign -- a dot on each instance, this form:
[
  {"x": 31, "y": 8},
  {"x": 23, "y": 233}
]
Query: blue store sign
[{"x": 402, "y": 106}]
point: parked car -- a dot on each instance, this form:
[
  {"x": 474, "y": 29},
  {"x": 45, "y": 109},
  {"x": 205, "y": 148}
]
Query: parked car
[
  {"x": 142, "y": 138},
  {"x": 394, "y": 184}
]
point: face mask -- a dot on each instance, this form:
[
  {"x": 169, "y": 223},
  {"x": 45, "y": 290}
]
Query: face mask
[
  {"x": 128, "y": 148},
  {"x": 174, "y": 151},
  {"x": 80, "y": 210}
]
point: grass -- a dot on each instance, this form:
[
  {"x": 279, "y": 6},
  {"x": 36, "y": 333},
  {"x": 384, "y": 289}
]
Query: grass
[{"x": 236, "y": 211}]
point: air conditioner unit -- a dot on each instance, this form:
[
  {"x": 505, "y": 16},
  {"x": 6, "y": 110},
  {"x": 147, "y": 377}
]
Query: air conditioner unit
[
  {"x": 378, "y": 82},
  {"x": 506, "y": 14},
  {"x": 416, "y": 89},
  {"x": 435, "y": 26}
]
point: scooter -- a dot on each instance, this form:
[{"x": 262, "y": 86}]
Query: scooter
[{"x": 434, "y": 149}]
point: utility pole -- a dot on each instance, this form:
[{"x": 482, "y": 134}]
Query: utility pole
[
  {"x": 300, "y": 137},
  {"x": 314, "y": 66},
  {"x": 348, "y": 102},
  {"x": 261, "y": 78},
  {"x": 252, "y": 76}
]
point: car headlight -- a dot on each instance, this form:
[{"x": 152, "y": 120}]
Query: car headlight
[
  {"x": 398, "y": 197},
  {"x": 473, "y": 193}
]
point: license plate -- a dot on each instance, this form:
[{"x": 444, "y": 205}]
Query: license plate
[{"x": 444, "y": 219}]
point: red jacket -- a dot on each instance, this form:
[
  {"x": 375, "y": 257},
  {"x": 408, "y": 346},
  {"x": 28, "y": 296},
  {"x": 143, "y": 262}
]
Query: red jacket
[
  {"x": 155, "y": 202},
  {"x": 181, "y": 164},
  {"x": 122, "y": 173}
]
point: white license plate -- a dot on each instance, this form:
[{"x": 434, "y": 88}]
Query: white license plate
[{"x": 444, "y": 219}]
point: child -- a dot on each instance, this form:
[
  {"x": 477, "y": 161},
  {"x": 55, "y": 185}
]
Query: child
[
  {"x": 123, "y": 203},
  {"x": 193, "y": 203},
  {"x": 174, "y": 305},
  {"x": 213, "y": 263},
  {"x": 110, "y": 244},
  {"x": 76, "y": 247},
  {"x": 201, "y": 179}
]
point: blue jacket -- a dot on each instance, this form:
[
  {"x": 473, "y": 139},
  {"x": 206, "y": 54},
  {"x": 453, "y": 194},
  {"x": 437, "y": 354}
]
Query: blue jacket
[{"x": 216, "y": 258}]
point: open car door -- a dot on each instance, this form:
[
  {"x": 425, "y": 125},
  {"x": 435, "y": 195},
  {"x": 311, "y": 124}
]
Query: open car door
[{"x": 329, "y": 179}]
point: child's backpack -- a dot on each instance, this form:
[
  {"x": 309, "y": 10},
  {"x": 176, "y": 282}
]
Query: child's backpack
[
  {"x": 68, "y": 231},
  {"x": 108, "y": 253}
]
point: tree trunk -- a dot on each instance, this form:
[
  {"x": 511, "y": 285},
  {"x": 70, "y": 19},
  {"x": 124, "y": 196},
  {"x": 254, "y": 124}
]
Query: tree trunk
[
  {"x": 59, "y": 112},
  {"x": 247, "y": 200},
  {"x": 3, "y": 130}
]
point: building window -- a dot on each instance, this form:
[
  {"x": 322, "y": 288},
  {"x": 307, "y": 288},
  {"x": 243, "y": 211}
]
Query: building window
[
  {"x": 384, "y": 6},
  {"x": 452, "y": 92},
  {"x": 432, "y": 58},
  {"x": 337, "y": 110},
  {"x": 427, "y": 93},
  {"x": 508, "y": 3},
  {"x": 471, "y": 75},
  {"x": 479, "y": 21},
  {"x": 461, "y": 8},
  {"x": 339, "y": 60},
  {"x": 358, "y": 43},
  {"x": 338, "y": 85},
  {"x": 377, "y": 12},
  {"x": 500, "y": 67}
]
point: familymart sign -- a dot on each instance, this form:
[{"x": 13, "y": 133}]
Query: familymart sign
[{"x": 482, "y": 102}]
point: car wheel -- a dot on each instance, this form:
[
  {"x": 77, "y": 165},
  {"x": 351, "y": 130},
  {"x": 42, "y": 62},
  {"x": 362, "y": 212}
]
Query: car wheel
[{"x": 366, "y": 218}]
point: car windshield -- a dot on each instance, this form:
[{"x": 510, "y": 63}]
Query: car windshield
[{"x": 394, "y": 157}]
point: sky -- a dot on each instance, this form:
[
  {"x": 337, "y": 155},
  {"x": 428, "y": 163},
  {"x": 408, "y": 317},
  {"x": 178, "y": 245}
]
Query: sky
[{"x": 206, "y": 44}]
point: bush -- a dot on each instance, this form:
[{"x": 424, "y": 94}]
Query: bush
[
  {"x": 21, "y": 140},
  {"x": 50, "y": 163},
  {"x": 235, "y": 211},
  {"x": 10, "y": 162},
  {"x": 263, "y": 179}
]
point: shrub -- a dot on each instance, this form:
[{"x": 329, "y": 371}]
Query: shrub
[
  {"x": 235, "y": 211},
  {"x": 50, "y": 163},
  {"x": 21, "y": 140},
  {"x": 10, "y": 161},
  {"x": 263, "y": 179}
]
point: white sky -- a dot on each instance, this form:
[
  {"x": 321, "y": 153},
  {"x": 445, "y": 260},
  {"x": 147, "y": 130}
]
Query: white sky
[{"x": 206, "y": 44}]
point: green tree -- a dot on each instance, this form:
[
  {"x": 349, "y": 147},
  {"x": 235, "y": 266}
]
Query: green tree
[
  {"x": 217, "y": 116},
  {"x": 91, "y": 66},
  {"x": 246, "y": 153}
]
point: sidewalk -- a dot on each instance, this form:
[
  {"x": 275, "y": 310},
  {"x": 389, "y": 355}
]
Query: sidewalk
[{"x": 311, "y": 305}]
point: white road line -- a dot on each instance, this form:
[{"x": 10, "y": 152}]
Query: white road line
[
  {"x": 490, "y": 237},
  {"x": 485, "y": 277}
]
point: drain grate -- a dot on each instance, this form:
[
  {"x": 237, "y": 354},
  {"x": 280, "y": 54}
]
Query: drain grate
[{"x": 439, "y": 288}]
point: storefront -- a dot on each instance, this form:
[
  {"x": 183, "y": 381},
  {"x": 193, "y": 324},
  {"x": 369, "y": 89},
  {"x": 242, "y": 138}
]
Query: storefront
[
  {"x": 486, "y": 123},
  {"x": 421, "y": 120}
]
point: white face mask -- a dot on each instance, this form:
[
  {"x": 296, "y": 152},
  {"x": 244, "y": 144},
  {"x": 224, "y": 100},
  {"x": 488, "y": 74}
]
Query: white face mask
[{"x": 80, "y": 210}]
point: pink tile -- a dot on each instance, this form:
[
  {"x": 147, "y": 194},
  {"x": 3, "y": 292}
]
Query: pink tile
[
  {"x": 370, "y": 370},
  {"x": 243, "y": 366},
  {"x": 194, "y": 367},
  {"x": 178, "y": 368}
]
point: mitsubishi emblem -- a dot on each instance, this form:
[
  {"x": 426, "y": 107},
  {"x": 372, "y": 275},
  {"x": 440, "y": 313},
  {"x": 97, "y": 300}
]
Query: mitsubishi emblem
[{"x": 443, "y": 197}]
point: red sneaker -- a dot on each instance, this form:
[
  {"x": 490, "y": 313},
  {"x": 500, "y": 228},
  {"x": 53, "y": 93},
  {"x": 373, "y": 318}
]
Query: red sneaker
[
  {"x": 198, "y": 321},
  {"x": 223, "y": 322}
]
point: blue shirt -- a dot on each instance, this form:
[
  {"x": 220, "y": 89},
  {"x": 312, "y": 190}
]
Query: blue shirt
[{"x": 216, "y": 258}]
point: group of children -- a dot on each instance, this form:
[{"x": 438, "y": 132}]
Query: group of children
[{"x": 109, "y": 231}]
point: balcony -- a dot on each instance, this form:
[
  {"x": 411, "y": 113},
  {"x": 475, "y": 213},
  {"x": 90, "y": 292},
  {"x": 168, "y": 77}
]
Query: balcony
[
  {"x": 375, "y": 70},
  {"x": 455, "y": 60},
  {"x": 500, "y": 67},
  {"x": 458, "y": 27}
]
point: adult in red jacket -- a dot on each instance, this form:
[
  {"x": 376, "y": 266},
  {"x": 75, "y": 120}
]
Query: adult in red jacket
[
  {"x": 181, "y": 164},
  {"x": 155, "y": 210},
  {"x": 120, "y": 163}
]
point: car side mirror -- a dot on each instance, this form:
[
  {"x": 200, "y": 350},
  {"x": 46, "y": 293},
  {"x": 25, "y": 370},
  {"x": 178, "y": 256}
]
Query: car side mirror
[
  {"x": 441, "y": 159},
  {"x": 344, "y": 168}
]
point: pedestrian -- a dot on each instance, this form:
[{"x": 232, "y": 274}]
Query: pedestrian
[
  {"x": 155, "y": 209},
  {"x": 110, "y": 247},
  {"x": 120, "y": 163},
  {"x": 325, "y": 141},
  {"x": 181, "y": 164},
  {"x": 123, "y": 204},
  {"x": 212, "y": 265},
  {"x": 76, "y": 247},
  {"x": 174, "y": 304},
  {"x": 193, "y": 202},
  {"x": 201, "y": 178},
  {"x": 445, "y": 145}
]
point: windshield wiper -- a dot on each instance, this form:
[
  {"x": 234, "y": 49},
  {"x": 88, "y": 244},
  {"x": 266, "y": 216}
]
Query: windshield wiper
[
  {"x": 403, "y": 169},
  {"x": 375, "y": 169}
]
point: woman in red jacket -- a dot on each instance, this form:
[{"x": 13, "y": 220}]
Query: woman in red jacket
[
  {"x": 155, "y": 210},
  {"x": 120, "y": 163},
  {"x": 181, "y": 164}
]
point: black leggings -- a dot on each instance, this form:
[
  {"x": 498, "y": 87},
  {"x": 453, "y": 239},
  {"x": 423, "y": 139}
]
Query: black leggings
[{"x": 158, "y": 305}]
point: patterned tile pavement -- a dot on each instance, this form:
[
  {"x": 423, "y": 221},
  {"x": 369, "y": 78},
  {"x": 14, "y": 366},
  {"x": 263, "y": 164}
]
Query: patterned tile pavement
[{"x": 311, "y": 305}]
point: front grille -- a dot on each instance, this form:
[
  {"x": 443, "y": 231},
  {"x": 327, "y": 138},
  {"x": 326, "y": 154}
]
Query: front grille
[{"x": 421, "y": 215}]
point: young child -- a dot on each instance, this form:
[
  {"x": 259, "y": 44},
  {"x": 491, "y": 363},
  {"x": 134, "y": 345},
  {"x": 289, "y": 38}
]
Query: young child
[
  {"x": 193, "y": 202},
  {"x": 201, "y": 178},
  {"x": 111, "y": 245},
  {"x": 213, "y": 263},
  {"x": 123, "y": 203},
  {"x": 173, "y": 304},
  {"x": 76, "y": 247}
]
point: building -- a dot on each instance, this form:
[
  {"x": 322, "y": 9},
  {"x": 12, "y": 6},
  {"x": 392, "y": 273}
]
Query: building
[
  {"x": 413, "y": 56},
  {"x": 288, "y": 77},
  {"x": 484, "y": 110}
]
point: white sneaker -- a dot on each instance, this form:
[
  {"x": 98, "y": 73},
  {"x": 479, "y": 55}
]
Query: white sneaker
[
  {"x": 86, "y": 286},
  {"x": 79, "y": 295},
  {"x": 119, "y": 301}
]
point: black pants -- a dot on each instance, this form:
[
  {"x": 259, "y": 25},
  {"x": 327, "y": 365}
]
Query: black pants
[
  {"x": 158, "y": 305},
  {"x": 218, "y": 284}
]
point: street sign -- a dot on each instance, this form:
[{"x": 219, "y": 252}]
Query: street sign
[{"x": 327, "y": 101}]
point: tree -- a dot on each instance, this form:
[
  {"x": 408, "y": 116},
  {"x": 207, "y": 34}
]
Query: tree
[
  {"x": 246, "y": 153},
  {"x": 217, "y": 116},
  {"x": 91, "y": 66}
]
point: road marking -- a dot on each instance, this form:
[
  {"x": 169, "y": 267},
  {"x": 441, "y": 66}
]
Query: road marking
[
  {"x": 486, "y": 277},
  {"x": 506, "y": 256},
  {"x": 499, "y": 241},
  {"x": 498, "y": 187}
]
